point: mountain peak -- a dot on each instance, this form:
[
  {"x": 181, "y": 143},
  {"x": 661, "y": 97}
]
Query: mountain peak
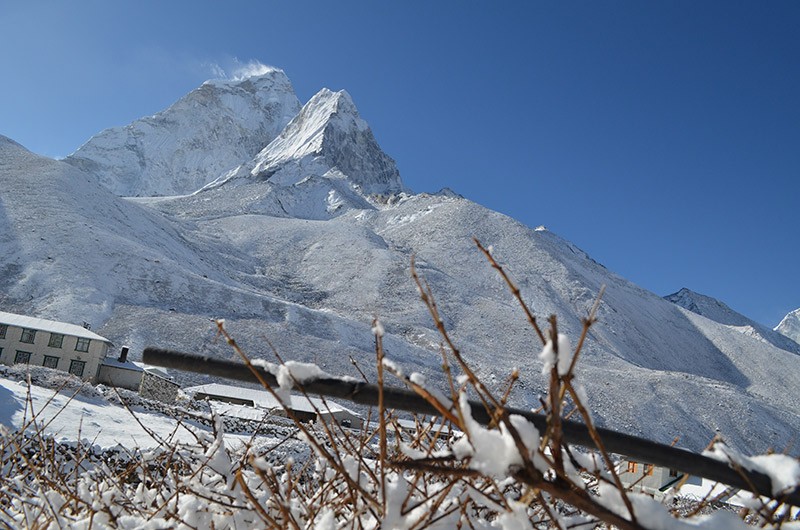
[
  {"x": 329, "y": 139},
  {"x": 252, "y": 73},
  {"x": 7, "y": 143},
  {"x": 709, "y": 307},
  {"x": 692, "y": 301},
  {"x": 207, "y": 132},
  {"x": 337, "y": 105},
  {"x": 790, "y": 326},
  {"x": 263, "y": 82},
  {"x": 717, "y": 311}
]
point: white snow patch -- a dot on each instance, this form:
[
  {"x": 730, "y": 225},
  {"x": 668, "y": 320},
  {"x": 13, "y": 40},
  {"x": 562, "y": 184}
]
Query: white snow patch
[
  {"x": 377, "y": 328},
  {"x": 391, "y": 365},
  {"x": 420, "y": 380},
  {"x": 493, "y": 451},
  {"x": 783, "y": 470},
  {"x": 563, "y": 358}
]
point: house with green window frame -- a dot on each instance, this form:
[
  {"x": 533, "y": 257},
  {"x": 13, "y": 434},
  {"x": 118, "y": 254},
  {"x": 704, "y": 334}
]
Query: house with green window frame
[{"x": 36, "y": 341}]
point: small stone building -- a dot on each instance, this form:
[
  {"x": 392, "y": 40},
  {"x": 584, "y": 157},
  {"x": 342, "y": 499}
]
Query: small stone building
[
  {"x": 120, "y": 372},
  {"x": 151, "y": 382}
]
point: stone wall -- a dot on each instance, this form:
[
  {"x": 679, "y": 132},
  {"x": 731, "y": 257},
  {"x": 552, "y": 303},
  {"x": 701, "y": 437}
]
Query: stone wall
[{"x": 156, "y": 387}]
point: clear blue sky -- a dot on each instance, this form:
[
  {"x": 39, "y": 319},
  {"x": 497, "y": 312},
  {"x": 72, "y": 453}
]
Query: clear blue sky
[{"x": 662, "y": 138}]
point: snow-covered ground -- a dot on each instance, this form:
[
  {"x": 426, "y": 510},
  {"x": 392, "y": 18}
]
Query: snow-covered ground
[{"x": 74, "y": 415}]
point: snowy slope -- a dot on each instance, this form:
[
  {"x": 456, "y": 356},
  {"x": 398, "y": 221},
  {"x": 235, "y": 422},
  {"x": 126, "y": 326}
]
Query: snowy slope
[
  {"x": 68, "y": 243},
  {"x": 719, "y": 312},
  {"x": 301, "y": 245},
  {"x": 790, "y": 326},
  {"x": 209, "y": 131}
]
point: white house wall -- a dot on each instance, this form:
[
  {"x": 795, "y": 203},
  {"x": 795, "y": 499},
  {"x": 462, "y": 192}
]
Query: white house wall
[
  {"x": 40, "y": 348},
  {"x": 120, "y": 377}
]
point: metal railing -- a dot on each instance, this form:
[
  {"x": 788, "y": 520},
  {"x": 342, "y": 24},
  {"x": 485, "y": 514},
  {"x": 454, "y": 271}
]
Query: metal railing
[{"x": 633, "y": 447}]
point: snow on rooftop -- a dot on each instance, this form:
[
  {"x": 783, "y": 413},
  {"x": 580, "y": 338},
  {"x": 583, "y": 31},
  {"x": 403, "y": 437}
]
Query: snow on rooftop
[
  {"x": 155, "y": 370},
  {"x": 263, "y": 399},
  {"x": 51, "y": 326},
  {"x": 137, "y": 367},
  {"x": 127, "y": 365}
]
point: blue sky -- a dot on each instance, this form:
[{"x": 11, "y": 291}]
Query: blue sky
[{"x": 662, "y": 138}]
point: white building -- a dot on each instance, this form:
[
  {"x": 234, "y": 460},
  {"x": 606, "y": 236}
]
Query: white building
[
  {"x": 247, "y": 403},
  {"x": 659, "y": 481},
  {"x": 40, "y": 342},
  {"x": 648, "y": 478}
]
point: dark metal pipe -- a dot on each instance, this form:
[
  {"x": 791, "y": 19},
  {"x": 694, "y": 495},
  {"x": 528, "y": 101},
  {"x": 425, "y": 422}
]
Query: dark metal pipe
[{"x": 638, "y": 449}]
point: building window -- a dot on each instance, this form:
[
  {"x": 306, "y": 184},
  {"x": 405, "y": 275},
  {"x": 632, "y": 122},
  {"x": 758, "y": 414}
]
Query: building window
[
  {"x": 3, "y": 329},
  {"x": 50, "y": 361},
  {"x": 631, "y": 467},
  {"x": 28, "y": 335},
  {"x": 648, "y": 469},
  {"x": 76, "y": 368},
  {"x": 56, "y": 339},
  {"x": 82, "y": 345},
  {"x": 22, "y": 357}
]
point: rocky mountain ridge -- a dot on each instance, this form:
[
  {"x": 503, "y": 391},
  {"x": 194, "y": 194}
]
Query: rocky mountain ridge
[
  {"x": 180, "y": 149},
  {"x": 719, "y": 312},
  {"x": 790, "y": 325}
]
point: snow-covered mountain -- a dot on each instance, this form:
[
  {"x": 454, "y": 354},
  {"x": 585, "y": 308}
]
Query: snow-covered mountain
[
  {"x": 790, "y": 325},
  {"x": 302, "y": 241},
  {"x": 209, "y": 131},
  {"x": 719, "y": 312}
]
